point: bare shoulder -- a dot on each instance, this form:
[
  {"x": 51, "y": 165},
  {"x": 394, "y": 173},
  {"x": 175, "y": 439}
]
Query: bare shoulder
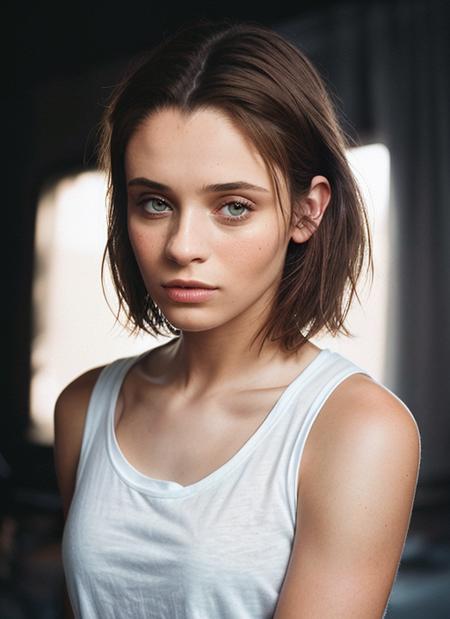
[
  {"x": 362, "y": 411},
  {"x": 79, "y": 388},
  {"x": 71, "y": 404},
  {"x": 355, "y": 498},
  {"x": 363, "y": 429},
  {"x": 68, "y": 419}
]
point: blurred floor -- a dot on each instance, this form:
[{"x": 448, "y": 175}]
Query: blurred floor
[{"x": 31, "y": 575}]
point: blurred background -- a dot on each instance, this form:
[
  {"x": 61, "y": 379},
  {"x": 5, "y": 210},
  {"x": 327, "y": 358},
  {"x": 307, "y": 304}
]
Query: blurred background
[{"x": 386, "y": 65}]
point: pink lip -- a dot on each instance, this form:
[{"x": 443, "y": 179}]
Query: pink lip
[
  {"x": 188, "y": 283},
  {"x": 189, "y": 295}
]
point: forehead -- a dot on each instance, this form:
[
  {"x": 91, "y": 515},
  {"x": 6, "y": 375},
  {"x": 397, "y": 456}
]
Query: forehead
[{"x": 202, "y": 143}]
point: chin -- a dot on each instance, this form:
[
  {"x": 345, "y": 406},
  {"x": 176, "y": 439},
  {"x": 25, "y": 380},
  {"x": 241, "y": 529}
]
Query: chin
[{"x": 193, "y": 325}]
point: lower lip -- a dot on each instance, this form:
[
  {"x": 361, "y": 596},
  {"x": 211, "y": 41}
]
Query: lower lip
[{"x": 189, "y": 295}]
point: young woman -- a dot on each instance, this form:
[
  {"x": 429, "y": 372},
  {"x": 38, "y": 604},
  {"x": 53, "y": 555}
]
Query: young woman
[{"x": 202, "y": 481}]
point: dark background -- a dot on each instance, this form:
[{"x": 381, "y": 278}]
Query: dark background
[{"x": 386, "y": 64}]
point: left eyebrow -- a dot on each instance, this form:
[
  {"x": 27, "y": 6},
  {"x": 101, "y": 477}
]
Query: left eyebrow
[{"x": 216, "y": 187}]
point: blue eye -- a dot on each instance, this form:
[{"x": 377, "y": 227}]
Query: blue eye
[
  {"x": 157, "y": 201},
  {"x": 240, "y": 205}
]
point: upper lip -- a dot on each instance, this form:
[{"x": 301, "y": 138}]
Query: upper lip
[{"x": 187, "y": 283}]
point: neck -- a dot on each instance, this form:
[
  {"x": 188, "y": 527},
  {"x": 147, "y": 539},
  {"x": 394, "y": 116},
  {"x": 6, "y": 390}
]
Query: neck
[
  {"x": 230, "y": 354},
  {"x": 210, "y": 361}
]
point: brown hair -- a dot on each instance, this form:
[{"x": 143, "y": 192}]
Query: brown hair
[{"x": 276, "y": 97}]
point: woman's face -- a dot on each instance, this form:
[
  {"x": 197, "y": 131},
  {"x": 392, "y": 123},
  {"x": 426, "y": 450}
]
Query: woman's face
[{"x": 184, "y": 222}]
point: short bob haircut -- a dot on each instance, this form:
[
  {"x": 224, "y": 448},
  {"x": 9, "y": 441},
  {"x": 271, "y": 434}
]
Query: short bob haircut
[{"x": 274, "y": 95}]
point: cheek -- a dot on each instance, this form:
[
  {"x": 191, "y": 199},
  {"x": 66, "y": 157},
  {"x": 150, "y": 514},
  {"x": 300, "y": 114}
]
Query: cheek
[
  {"x": 255, "y": 258},
  {"x": 144, "y": 243}
]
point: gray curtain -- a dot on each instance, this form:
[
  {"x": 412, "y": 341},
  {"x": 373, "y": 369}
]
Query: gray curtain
[{"x": 387, "y": 65}]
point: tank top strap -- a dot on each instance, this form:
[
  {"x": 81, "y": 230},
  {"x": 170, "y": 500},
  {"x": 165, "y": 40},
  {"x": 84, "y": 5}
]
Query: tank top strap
[
  {"x": 333, "y": 372},
  {"x": 107, "y": 381},
  {"x": 338, "y": 369}
]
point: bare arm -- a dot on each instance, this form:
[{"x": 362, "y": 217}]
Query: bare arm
[
  {"x": 69, "y": 417},
  {"x": 354, "y": 509}
]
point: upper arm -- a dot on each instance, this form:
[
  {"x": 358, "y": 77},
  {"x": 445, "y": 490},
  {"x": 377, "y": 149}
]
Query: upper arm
[
  {"x": 355, "y": 501},
  {"x": 68, "y": 422}
]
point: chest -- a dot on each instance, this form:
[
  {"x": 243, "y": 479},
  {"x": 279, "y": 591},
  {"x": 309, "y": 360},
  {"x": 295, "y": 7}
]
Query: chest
[
  {"x": 168, "y": 439},
  {"x": 222, "y": 547}
]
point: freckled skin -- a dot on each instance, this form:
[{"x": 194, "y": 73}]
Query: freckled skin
[{"x": 192, "y": 239}]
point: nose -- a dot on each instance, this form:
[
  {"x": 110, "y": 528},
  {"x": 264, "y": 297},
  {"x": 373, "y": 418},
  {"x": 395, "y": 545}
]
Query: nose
[{"x": 187, "y": 237}]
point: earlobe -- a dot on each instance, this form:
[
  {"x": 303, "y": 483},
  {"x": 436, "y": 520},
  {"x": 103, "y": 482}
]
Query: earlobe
[
  {"x": 314, "y": 206},
  {"x": 300, "y": 232}
]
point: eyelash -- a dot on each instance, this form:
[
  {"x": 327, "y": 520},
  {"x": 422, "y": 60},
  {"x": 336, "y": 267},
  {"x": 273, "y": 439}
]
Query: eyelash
[{"x": 241, "y": 202}]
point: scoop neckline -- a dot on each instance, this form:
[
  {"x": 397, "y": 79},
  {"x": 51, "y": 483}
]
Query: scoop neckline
[{"x": 172, "y": 489}]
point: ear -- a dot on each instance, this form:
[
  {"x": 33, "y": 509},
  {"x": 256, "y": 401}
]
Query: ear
[{"x": 313, "y": 205}]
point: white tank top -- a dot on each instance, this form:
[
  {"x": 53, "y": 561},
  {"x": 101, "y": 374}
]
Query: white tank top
[{"x": 135, "y": 547}]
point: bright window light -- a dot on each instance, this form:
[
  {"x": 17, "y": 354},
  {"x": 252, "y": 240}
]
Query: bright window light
[{"x": 74, "y": 329}]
